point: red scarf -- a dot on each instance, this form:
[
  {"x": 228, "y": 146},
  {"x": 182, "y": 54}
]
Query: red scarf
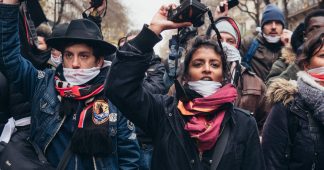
[{"x": 203, "y": 129}]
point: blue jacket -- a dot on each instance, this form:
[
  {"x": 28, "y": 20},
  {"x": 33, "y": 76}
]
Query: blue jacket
[{"x": 39, "y": 87}]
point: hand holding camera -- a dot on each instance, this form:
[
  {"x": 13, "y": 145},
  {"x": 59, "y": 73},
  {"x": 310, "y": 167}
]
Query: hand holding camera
[
  {"x": 225, "y": 5},
  {"x": 160, "y": 22}
]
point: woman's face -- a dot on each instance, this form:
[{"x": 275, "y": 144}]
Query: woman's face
[
  {"x": 205, "y": 64},
  {"x": 316, "y": 61}
]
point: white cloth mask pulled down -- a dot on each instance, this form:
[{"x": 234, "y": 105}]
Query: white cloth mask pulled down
[
  {"x": 271, "y": 39},
  {"x": 81, "y": 76},
  {"x": 204, "y": 88},
  {"x": 56, "y": 60},
  {"x": 232, "y": 53}
]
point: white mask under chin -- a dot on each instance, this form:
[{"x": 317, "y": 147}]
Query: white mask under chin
[
  {"x": 56, "y": 60},
  {"x": 81, "y": 76},
  {"x": 271, "y": 39},
  {"x": 204, "y": 88}
]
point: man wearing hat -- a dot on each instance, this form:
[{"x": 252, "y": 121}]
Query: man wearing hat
[
  {"x": 70, "y": 113},
  {"x": 264, "y": 50}
]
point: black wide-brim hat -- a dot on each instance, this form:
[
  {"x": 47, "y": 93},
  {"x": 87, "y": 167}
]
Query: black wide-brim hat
[{"x": 82, "y": 30}]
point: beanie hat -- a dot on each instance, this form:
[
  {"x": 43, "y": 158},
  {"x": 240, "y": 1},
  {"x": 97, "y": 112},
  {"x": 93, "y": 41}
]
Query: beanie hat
[
  {"x": 272, "y": 13},
  {"x": 226, "y": 27}
]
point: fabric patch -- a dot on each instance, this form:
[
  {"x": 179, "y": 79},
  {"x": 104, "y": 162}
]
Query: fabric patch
[
  {"x": 130, "y": 125},
  {"x": 132, "y": 136},
  {"x": 41, "y": 74},
  {"x": 113, "y": 117},
  {"x": 100, "y": 112}
]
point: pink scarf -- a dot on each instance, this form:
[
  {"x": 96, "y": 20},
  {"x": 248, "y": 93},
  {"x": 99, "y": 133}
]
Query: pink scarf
[{"x": 204, "y": 130}]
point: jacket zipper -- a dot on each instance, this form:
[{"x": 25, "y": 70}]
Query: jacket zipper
[
  {"x": 94, "y": 163},
  {"x": 61, "y": 123}
]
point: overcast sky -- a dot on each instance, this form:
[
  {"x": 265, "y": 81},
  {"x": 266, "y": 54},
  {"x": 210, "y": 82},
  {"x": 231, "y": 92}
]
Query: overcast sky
[{"x": 142, "y": 11}]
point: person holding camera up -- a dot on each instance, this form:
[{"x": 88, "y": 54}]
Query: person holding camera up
[
  {"x": 200, "y": 129},
  {"x": 73, "y": 124}
]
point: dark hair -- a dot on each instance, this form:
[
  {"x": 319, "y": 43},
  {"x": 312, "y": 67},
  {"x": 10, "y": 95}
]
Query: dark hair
[
  {"x": 97, "y": 52},
  {"x": 297, "y": 37},
  {"x": 315, "y": 13},
  {"x": 203, "y": 41},
  {"x": 44, "y": 30},
  {"x": 316, "y": 41}
]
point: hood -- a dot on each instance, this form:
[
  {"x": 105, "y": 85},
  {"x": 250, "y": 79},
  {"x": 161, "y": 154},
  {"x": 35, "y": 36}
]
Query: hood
[
  {"x": 281, "y": 90},
  {"x": 288, "y": 55}
]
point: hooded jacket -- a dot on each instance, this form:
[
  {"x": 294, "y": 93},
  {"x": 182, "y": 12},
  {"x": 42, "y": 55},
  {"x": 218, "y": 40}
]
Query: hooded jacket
[{"x": 287, "y": 145}]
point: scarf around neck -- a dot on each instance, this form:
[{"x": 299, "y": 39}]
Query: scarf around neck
[
  {"x": 207, "y": 114},
  {"x": 91, "y": 112},
  {"x": 312, "y": 94}
]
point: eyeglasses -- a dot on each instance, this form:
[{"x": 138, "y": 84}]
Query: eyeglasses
[{"x": 122, "y": 41}]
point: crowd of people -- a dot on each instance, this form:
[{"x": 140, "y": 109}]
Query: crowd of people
[{"x": 231, "y": 102}]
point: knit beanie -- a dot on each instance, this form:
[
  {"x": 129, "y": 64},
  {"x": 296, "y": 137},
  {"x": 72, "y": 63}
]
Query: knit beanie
[
  {"x": 226, "y": 27},
  {"x": 272, "y": 13}
]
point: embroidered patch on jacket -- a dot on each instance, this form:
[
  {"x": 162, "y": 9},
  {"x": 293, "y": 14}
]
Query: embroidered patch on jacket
[
  {"x": 113, "y": 117},
  {"x": 41, "y": 74},
  {"x": 100, "y": 112},
  {"x": 130, "y": 125},
  {"x": 132, "y": 136}
]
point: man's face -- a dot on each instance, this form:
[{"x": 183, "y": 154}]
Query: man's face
[
  {"x": 273, "y": 28},
  {"x": 80, "y": 56},
  {"x": 315, "y": 23}
]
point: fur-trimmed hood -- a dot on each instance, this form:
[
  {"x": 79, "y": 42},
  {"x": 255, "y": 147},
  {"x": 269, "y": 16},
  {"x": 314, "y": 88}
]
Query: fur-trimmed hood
[
  {"x": 281, "y": 90},
  {"x": 288, "y": 55}
]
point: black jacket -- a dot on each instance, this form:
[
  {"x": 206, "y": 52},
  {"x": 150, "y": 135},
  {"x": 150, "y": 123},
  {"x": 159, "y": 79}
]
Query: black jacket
[
  {"x": 159, "y": 116},
  {"x": 288, "y": 137}
]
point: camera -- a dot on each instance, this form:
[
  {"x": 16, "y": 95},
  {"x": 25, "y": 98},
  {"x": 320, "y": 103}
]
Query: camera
[
  {"x": 230, "y": 3},
  {"x": 188, "y": 11},
  {"x": 95, "y": 3}
]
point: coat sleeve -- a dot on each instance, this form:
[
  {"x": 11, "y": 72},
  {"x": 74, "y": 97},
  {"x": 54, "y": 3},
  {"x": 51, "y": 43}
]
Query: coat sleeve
[
  {"x": 253, "y": 157},
  {"x": 124, "y": 86},
  {"x": 275, "y": 138},
  {"x": 17, "y": 69},
  {"x": 154, "y": 79},
  {"x": 127, "y": 145}
]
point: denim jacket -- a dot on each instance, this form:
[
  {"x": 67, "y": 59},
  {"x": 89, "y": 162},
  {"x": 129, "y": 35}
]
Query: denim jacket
[{"x": 39, "y": 87}]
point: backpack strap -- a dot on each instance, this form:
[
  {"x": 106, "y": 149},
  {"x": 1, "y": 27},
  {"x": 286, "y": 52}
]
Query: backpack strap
[
  {"x": 220, "y": 147},
  {"x": 246, "y": 61}
]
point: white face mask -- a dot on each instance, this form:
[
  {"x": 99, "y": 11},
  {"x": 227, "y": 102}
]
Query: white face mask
[
  {"x": 81, "y": 76},
  {"x": 56, "y": 60},
  {"x": 271, "y": 39},
  {"x": 204, "y": 88}
]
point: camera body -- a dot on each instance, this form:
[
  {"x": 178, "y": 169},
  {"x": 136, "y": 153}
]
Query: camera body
[
  {"x": 188, "y": 11},
  {"x": 95, "y": 3}
]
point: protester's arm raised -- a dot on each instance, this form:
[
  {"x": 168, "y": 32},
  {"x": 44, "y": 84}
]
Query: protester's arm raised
[
  {"x": 17, "y": 70},
  {"x": 124, "y": 85}
]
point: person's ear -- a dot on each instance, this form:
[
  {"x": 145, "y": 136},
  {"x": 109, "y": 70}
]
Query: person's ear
[{"x": 100, "y": 62}]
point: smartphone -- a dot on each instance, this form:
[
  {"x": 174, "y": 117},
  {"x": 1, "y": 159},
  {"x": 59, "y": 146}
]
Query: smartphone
[{"x": 231, "y": 4}]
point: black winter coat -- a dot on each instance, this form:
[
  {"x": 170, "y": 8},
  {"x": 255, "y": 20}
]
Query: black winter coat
[
  {"x": 302, "y": 153},
  {"x": 159, "y": 116}
]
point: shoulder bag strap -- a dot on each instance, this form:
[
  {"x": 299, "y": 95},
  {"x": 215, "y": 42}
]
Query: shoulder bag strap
[{"x": 220, "y": 147}]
